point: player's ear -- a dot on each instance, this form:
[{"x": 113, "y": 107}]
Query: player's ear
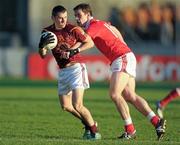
[{"x": 88, "y": 14}]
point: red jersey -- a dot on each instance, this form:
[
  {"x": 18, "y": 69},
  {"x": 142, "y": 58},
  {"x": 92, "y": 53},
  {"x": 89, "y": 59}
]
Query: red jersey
[
  {"x": 67, "y": 37},
  {"x": 105, "y": 40}
]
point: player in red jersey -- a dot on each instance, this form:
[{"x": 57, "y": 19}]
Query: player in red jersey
[
  {"x": 160, "y": 106},
  {"x": 123, "y": 66},
  {"x": 72, "y": 76}
]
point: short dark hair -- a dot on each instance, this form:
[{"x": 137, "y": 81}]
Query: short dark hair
[
  {"x": 86, "y": 8},
  {"x": 58, "y": 9}
]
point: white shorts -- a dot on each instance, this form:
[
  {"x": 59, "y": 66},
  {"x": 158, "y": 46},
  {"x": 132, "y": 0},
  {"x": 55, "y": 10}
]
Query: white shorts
[
  {"x": 71, "y": 78},
  {"x": 125, "y": 63}
]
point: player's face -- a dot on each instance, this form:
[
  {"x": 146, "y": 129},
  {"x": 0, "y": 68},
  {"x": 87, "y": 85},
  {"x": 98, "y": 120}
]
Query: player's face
[
  {"x": 81, "y": 17},
  {"x": 60, "y": 20}
]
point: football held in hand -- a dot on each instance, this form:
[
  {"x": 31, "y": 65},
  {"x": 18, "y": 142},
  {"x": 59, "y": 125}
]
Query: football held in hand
[{"x": 53, "y": 43}]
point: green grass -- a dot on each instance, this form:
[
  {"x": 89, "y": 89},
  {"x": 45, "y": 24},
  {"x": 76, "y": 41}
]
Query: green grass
[{"x": 30, "y": 114}]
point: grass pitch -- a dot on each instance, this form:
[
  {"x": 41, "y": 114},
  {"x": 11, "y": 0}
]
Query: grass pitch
[{"x": 30, "y": 114}]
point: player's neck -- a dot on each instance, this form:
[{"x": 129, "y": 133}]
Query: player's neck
[
  {"x": 58, "y": 28},
  {"x": 86, "y": 25}
]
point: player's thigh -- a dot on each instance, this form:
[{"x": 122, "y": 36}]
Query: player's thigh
[
  {"x": 129, "y": 91},
  {"x": 65, "y": 100},
  {"x": 118, "y": 82},
  {"x": 77, "y": 96},
  {"x": 131, "y": 84}
]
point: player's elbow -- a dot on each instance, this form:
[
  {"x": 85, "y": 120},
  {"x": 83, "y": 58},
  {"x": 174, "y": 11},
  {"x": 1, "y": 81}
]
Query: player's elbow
[{"x": 91, "y": 44}]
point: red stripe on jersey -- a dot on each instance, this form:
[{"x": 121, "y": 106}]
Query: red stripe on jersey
[{"x": 124, "y": 63}]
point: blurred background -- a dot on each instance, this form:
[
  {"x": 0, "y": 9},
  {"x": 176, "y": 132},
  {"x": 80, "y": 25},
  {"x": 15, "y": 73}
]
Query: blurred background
[{"x": 150, "y": 27}]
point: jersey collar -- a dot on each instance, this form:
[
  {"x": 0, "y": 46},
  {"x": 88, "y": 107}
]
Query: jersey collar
[{"x": 86, "y": 25}]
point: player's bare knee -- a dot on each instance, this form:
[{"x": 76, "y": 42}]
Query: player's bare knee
[
  {"x": 66, "y": 108},
  {"x": 78, "y": 107},
  {"x": 130, "y": 96},
  {"x": 132, "y": 99},
  {"x": 114, "y": 96}
]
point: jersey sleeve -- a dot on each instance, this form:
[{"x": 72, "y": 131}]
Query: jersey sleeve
[{"x": 79, "y": 34}]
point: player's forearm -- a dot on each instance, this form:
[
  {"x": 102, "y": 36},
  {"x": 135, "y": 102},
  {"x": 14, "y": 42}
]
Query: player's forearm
[
  {"x": 87, "y": 44},
  {"x": 77, "y": 45}
]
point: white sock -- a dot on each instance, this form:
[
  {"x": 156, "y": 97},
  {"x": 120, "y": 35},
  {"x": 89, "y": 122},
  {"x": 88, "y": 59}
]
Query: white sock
[
  {"x": 150, "y": 115},
  {"x": 128, "y": 121}
]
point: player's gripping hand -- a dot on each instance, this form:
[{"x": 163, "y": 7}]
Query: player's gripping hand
[
  {"x": 69, "y": 53},
  {"x": 46, "y": 39},
  {"x": 72, "y": 52},
  {"x": 64, "y": 54}
]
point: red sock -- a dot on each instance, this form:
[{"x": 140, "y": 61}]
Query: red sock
[
  {"x": 155, "y": 120},
  {"x": 172, "y": 95},
  {"x": 94, "y": 129},
  {"x": 129, "y": 128}
]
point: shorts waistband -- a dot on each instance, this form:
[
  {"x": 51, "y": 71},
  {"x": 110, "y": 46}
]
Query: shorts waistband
[{"x": 71, "y": 66}]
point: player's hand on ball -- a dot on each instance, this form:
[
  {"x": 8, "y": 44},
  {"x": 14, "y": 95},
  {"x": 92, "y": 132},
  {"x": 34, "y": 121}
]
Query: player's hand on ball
[{"x": 46, "y": 39}]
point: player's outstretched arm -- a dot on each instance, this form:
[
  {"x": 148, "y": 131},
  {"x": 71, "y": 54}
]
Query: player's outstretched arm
[{"x": 85, "y": 45}]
